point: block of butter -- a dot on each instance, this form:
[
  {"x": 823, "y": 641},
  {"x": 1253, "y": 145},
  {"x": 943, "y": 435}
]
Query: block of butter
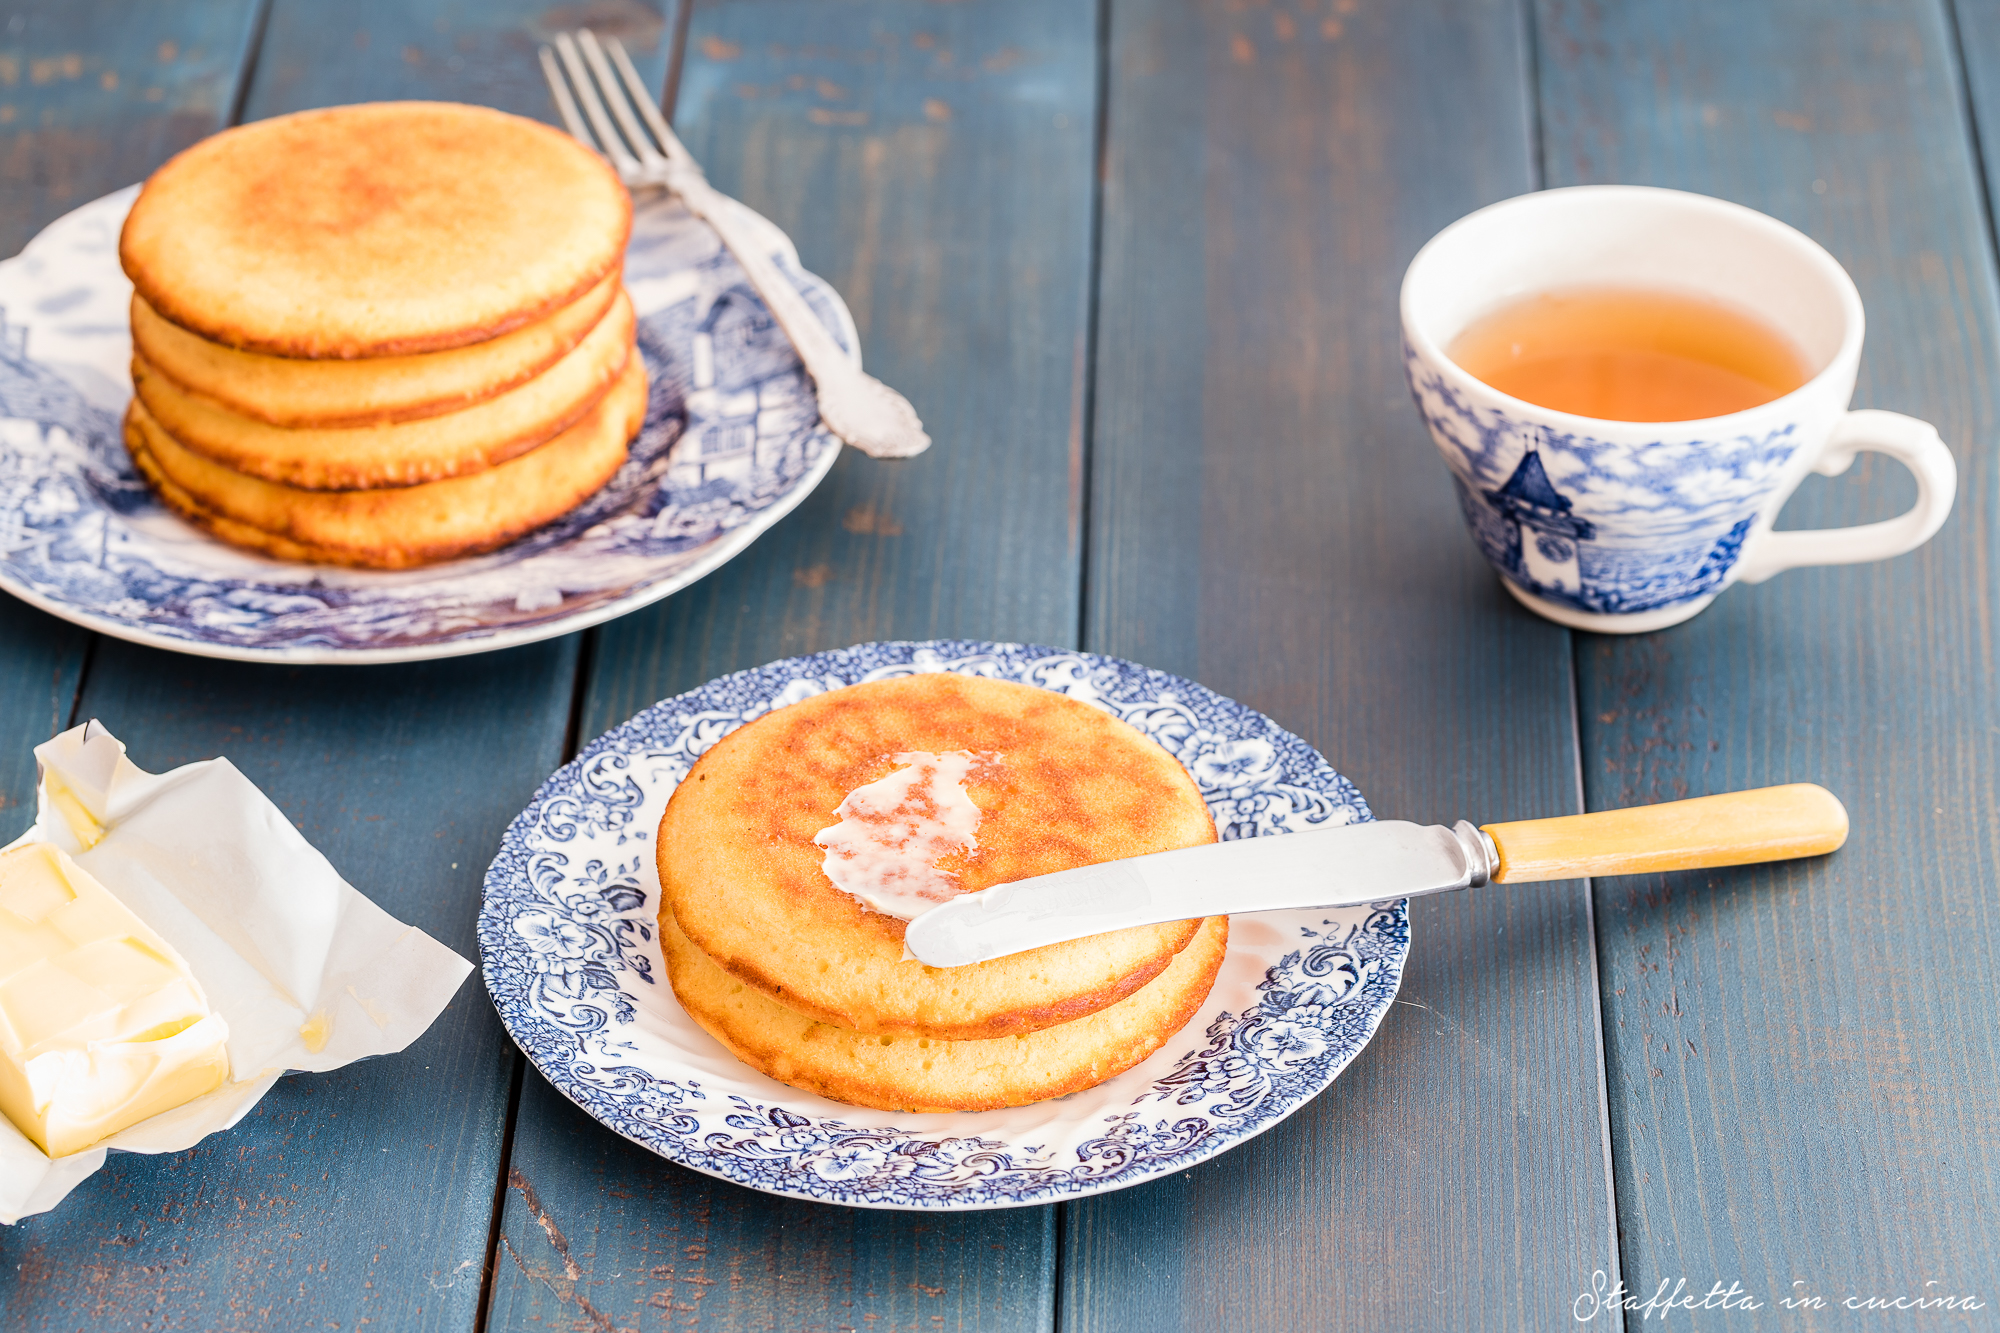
[
  {"x": 102, "y": 1025},
  {"x": 171, "y": 945}
]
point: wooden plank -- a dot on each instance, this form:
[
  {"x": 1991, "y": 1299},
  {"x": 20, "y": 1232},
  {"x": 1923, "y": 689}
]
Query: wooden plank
[
  {"x": 1805, "y": 1085},
  {"x": 41, "y": 661},
  {"x": 1270, "y": 516},
  {"x": 367, "y": 1194},
  {"x": 458, "y": 50},
  {"x": 598, "y": 1233},
  {"x": 935, "y": 163},
  {"x": 91, "y": 98},
  {"x": 81, "y": 115}
]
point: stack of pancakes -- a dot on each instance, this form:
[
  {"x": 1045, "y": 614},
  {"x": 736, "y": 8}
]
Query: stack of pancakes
[
  {"x": 381, "y": 335},
  {"x": 808, "y": 985}
]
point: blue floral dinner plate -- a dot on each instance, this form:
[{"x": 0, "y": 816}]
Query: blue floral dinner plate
[
  {"x": 568, "y": 945},
  {"x": 730, "y": 444}
]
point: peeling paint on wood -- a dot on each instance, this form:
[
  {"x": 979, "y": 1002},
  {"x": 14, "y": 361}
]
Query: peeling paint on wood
[
  {"x": 1269, "y": 517},
  {"x": 962, "y": 243},
  {"x": 1800, "y": 1069},
  {"x": 1804, "y": 1081}
]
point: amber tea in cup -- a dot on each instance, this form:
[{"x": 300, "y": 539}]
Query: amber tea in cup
[
  {"x": 1622, "y": 440},
  {"x": 1631, "y": 354}
]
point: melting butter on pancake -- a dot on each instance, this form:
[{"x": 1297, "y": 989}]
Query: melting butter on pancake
[
  {"x": 287, "y": 391},
  {"x": 381, "y": 229},
  {"x": 406, "y": 453},
  {"x": 921, "y": 1074},
  {"x": 896, "y": 834},
  {"x": 404, "y": 526},
  {"x": 1071, "y": 786}
]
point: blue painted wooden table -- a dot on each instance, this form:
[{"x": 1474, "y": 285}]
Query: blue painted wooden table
[{"x": 1136, "y": 265}]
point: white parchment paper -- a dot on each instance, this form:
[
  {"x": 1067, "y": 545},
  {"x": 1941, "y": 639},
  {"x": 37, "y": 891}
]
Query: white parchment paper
[{"x": 308, "y": 973}]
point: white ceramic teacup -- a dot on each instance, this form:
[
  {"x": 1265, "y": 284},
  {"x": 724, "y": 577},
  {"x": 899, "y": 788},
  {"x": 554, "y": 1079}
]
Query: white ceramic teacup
[{"x": 1623, "y": 527}]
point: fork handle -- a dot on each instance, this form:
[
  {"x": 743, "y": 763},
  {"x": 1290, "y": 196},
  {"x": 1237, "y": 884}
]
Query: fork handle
[
  {"x": 1735, "y": 829},
  {"x": 825, "y": 360}
]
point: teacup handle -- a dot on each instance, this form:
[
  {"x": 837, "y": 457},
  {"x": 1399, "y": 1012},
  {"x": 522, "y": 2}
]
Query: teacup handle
[{"x": 1913, "y": 443}]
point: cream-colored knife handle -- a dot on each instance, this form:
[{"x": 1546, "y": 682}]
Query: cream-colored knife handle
[{"x": 1736, "y": 829}]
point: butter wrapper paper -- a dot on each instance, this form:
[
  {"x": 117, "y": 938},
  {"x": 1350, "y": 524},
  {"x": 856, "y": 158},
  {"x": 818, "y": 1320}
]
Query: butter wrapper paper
[{"x": 308, "y": 973}]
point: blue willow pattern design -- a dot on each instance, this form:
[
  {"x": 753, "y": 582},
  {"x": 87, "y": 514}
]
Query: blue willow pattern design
[
  {"x": 1596, "y": 526},
  {"x": 565, "y": 936},
  {"x": 731, "y": 441}
]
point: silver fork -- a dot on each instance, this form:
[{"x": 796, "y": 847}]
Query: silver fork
[{"x": 859, "y": 408}]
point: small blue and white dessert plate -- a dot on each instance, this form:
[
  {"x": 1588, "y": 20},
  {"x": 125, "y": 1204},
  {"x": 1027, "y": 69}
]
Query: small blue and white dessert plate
[
  {"x": 731, "y": 443},
  {"x": 568, "y": 944}
]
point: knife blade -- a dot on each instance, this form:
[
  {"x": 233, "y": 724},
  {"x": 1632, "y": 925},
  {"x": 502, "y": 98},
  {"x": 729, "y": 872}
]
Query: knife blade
[
  {"x": 1332, "y": 867},
  {"x": 1365, "y": 863}
]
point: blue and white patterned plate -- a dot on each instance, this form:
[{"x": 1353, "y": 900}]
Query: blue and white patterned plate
[
  {"x": 731, "y": 443},
  {"x": 568, "y": 945}
]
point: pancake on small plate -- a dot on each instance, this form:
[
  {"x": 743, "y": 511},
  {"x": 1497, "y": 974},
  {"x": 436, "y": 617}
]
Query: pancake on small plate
[
  {"x": 1061, "y": 784},
  {"x": 922, "y": 1074},
  {"x": 289, "y": 391},
  {"x": 405, "y": 453},
  {"x": 403, "y": 526},
  {"x": 375, "y": 230}
]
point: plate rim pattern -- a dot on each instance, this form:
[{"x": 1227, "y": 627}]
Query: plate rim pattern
[{"x": 557, "y": 942}]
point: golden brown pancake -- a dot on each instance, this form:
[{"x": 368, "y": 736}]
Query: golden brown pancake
[
  {"x": 287, "y": 391},
  {"x": 374, "y": 230},
  {"x": 405, "y": 526},
  {"x": 405, "y": 453},
  {"x": 1073, "y": 786},
  {"x": 228, "y": 529},
  {"x": 920, "y": 1074}
]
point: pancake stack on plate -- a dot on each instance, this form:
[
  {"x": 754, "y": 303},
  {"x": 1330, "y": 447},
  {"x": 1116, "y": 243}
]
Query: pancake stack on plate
[
  {"x": 381, "y": 335},
  {"x": 806, "y": 983}
]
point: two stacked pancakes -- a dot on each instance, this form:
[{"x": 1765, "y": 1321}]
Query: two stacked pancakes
[
  {"x": 381, "y": 335},
  {"x": 806, "y": 983}
]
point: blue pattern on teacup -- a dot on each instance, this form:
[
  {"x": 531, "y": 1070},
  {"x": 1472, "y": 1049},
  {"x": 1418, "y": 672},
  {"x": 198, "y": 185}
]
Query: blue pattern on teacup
[
  {"x": 1594, "y": 525},
  {"x": 731, "y": 442},
  {"x": 566, "y": 937}
]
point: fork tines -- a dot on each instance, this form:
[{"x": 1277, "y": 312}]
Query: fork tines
[{"x": 617, "y": 115}]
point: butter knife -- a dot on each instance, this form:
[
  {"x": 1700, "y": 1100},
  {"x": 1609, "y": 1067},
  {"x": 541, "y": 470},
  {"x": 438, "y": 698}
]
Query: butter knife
[{"x": 1374, "y": 862}]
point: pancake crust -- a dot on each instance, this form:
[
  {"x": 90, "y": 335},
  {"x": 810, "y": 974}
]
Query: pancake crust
[
  {"x": 374, "y": 230},
  {"x": 405, "y": 453},
  {"x": 228, "y": 529},
  {"x": 286, "y": 391},
  {"x": 403, "y": 527},
  {"x": 1074, "y": 786},
  {"x": 917, "y": 1074}
]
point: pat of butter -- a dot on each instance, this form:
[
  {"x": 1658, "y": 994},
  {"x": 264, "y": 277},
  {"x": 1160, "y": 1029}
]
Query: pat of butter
[
  {"x": 81, "y": 822},
  {"x": 893, "y": 832},
  {"x": 101, "y": 1023}
]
